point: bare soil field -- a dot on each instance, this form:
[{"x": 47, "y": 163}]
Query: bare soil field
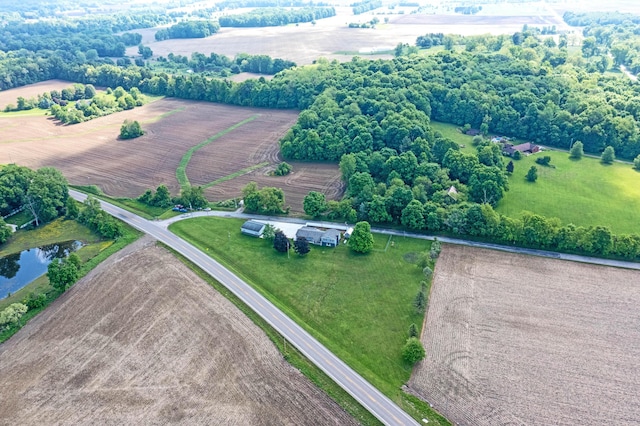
[
  {"x": 32, "y": 91},
  {"x": 90, "y": 153},
  {"x": 332, "y": 39},
  {"x": 513, "y": 339},
  {"x": 143, "y": 340}
]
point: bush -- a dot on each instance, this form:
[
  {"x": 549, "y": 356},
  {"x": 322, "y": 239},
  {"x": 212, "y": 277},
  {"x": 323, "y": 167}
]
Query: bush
[
  {"x": 12, "y": 314},
  {"x": 130, "y": 130},
  {"x": 283, "y": 169},
  {"x": 413, "y": 351},
  {"x": 544, "y": 161},
  {"x": 532, "y": 174}
]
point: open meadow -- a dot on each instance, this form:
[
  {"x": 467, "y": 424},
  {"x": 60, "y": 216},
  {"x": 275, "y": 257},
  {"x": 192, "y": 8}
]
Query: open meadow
[
  {"x": 235, "y": 145},
  {"x": 143, "y": 340},
  {"x": 514, "y": 339}
]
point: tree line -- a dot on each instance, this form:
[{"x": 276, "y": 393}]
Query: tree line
[
  {"x": 365, "y": 6},
  {"x": 271, "y": 17},
  {"x": 188, "y": 29}
]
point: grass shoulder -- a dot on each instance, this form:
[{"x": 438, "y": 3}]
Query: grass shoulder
[{"x": 359, "y": 306}]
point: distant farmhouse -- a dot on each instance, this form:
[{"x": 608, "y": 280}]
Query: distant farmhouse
[
  {"x": 328, "y": 238},
  {"x": 525, "y": 148},
  {"x": 253, "y": 228}
]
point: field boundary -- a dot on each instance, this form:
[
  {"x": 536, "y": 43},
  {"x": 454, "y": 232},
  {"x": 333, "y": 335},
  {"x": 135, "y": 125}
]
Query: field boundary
[
  {"x": 235, "y": 174},
  {"x": 181, "y": 171}
]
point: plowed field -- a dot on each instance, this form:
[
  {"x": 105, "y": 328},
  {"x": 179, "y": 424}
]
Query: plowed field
[
  {"x": 143, "y": 340},
  {"x": 90, "y": 153},
  {"x": 513, "y": 339}
]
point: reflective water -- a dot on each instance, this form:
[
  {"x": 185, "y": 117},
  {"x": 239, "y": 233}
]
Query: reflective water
[{"x": 19, "y": 269}]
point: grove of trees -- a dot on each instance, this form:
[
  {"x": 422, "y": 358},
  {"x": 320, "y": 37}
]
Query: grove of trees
[
  {"x": 276, "y": 16},
  {"x": 130, "y": 130}
]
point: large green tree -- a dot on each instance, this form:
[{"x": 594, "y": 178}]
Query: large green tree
[
  {"x": 361, "y": 240},
  {"x": 5, "y": 231},
  {"x": 577, "y": 150},
  {"x": 46, "y": 196},
  {"x": 413, "y": 351},
  {"x": 314, "y": 204},
  {"x": 608, "y": 155}
]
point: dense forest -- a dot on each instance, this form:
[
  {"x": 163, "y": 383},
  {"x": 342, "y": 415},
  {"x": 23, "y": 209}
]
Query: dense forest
[
  {"x": 276, "y": 16},
  {"x": 365, "y": 6}
]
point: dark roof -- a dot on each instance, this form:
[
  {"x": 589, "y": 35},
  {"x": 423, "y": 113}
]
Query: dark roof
[
  {"x": 252, "y": 225},
  {"x": 309, "y": 232},
  {"x": 331, "y": 233}
]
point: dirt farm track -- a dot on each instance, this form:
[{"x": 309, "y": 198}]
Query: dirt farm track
[
  {"x": 143, "y": 340},
  {"x": 90, "y": 154},
  {"x": 520, "y": 340}
]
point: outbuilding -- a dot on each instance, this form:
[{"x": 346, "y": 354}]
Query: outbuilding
[{"x": 253, "y": 228}]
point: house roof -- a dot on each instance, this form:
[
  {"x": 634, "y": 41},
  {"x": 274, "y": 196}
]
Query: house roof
[
  {"x": 252, "y": 225},
  {"x": 331, "y": 233},
  {"x": 309, "y": 232}
]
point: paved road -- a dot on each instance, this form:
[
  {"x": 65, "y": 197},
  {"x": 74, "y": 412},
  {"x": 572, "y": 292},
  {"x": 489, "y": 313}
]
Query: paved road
[
  {"x": 510, "y": 249},
  {"x": 367, "y": 395}
]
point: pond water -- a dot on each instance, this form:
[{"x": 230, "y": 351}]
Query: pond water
[{"x": 19, "y": 269}]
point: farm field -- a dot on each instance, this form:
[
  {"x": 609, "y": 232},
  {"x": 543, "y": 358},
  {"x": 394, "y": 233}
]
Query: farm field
[
  {"x": 90, "y": 154},
  {"x": 143, "y": 340},
  {"x": 360, "y": 307},
  {"x": 514, "y": 339},
  {"x": 332, "y": 39},
  {"x": 31, "y": 91}
]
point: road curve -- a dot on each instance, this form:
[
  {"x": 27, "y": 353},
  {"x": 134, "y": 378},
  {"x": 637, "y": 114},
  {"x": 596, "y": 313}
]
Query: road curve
[{"x": 365, "y": 393}]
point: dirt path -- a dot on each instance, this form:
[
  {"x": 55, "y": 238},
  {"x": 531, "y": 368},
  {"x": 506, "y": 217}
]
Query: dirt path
[{"x": 143, "y": 340}]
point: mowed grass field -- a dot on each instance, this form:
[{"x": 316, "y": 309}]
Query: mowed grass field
[
  {"x": 584, "y": 192},
  {"x": 359, "y": 306}
]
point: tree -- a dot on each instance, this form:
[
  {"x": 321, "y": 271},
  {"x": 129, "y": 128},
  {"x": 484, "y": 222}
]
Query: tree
[
  {"x": 269, "y": 232},
  {"x": 314, "y": 204},
  {"x": 12, "y": 314},
  {"x": 281, "y": 242},
  {"x": 283, "y": 169},
  {"x": 63, "y": 273},
  {"x": 532, "y": 174},
  {"x": 71, "y": 208},
  {"x": 301, "y": 246},
  {"x": 162, "y": 197},
  {"x": 361, "y": 240},
  {"x": 130, "y": 129},
  {"x": 577, "y": 151},
  {"x": 608, "y": 155},
  {"x": 193, "y": 196},
  {"x": 544, "y": 161},
  {"x": 436, "y": 248},
  {"x": 428, "y": 272},
  {"x": 510, "y": 167},
  {"x": 46, "y": 196},
  {"x": 413, "y": 351},
  {"x": 5, "y": 231},
  {"x": 636, "y": 163},
  {"x": 413, "y": 330},
  {"x": 413, "y": 215}
]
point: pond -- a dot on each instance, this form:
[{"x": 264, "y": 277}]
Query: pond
[{"x": 19, "y": 269}]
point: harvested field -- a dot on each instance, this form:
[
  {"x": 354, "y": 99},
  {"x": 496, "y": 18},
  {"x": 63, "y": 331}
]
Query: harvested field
[
  {"x": 143, "y": 340},
  {"x": 90, "y": 154},
  {"x": 31, "y": 91},
  {"x": 515, "y": 339}
]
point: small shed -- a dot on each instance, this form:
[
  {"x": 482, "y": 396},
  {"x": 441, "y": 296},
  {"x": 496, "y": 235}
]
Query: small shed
[
  {"x": 348, "y": 233},
  {"x": 330, "y": 238},
  {"x": 253, "y": 228}
]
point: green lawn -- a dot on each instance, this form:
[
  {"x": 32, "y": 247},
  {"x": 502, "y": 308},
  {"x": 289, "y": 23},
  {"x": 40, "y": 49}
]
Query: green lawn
[
  {"x": 452, "y": 132},
  {"x": 360, "y": 307},
  {"x": 583, "y": 192}
]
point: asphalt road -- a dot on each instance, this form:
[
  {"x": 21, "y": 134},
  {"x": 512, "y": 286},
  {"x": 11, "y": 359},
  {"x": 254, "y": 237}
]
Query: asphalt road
[{"x": 365, "y": 393}]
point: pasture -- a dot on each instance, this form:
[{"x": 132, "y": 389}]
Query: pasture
[
  {"x": 143, "y": 340},
  {"x": 514, "y": 339},
  {"x": 583, "y": 192},
  {"x": 229, "y": 147},
  {"x": 359, "y": 306}
]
